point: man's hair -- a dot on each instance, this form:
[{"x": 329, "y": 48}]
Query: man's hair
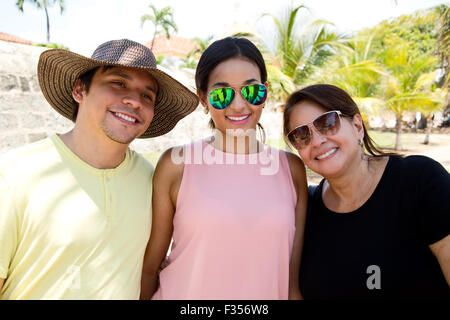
[{"x": 86, "y": 80}]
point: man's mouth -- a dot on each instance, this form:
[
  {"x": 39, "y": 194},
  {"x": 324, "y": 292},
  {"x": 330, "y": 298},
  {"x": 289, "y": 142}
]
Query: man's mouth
[{"x": 125, "y": 117}]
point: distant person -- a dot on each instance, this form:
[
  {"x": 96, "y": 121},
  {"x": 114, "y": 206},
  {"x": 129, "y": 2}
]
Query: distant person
[
  {"x": 75, "y": 208},
  {"x": 234, "y": 206},
  {"x": 378, "y": 224}
]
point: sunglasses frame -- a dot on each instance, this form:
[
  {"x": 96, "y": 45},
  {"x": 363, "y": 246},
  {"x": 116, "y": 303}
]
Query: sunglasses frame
[
  {"x": 240, "y": 91},
  {"x": 311, "y": 123}
]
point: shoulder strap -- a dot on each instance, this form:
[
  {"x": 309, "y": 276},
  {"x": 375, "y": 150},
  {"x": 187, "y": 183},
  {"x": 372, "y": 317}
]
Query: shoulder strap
[{"x": 311, "y": 191}]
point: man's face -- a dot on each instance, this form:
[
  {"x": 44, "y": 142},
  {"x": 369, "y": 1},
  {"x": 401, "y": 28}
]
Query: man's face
[{"x": 119, "y": 104}]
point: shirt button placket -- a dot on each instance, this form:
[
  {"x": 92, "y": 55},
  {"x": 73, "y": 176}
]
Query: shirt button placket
[{"x": 108, "y": 197}]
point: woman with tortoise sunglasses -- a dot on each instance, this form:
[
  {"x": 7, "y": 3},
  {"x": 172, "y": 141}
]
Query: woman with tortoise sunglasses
[{"x": 378, "y": 224}]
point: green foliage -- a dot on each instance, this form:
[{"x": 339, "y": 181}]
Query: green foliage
[
  {"x": 42, "y": 4},
  {"x": 392, "y": 65},
  {"x": 161, "y": 19},
  {"x": 419, "y": 29},
  {"x": 189, "y": 63},
  {"x": 52, "y": 45},
  {"x": 300, "y": 47},
  {"x": 159, "y": 59}
]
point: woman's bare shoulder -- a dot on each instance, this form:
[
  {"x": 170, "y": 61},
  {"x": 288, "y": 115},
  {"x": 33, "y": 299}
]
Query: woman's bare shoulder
[{"x": 170, "y": 163}]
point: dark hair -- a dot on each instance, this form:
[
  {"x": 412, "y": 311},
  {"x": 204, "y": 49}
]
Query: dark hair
[
  {"x": 330, "y": 98},
  {"x": 222, "y": 50},
  {"x": 86, "y": 80}
]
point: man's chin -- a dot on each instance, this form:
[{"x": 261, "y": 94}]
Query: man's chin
[{"x": 122, "y": 140}]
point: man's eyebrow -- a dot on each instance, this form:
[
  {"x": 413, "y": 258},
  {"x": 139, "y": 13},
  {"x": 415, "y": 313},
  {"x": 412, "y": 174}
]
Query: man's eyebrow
[
  {"x": 126, "y": 76},
  {"x": 121, "y": 74}
]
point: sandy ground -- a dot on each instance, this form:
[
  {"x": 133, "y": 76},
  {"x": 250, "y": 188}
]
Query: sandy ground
[{"x": 438, "y": 149}]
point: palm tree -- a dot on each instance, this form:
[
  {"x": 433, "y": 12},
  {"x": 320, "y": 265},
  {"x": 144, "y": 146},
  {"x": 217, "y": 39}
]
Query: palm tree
[
  {"x": 403, "y": 90},
  {"x": 43, "y": 4},
  {"x": 202, "y": 44},
  {"x": 355, "y": 70},
  {"x": 427, "y": 83},
  {"x": 443, "y": 51},
  {"x": 191, "y": 59},
  {"x": 161, "y": 19},
  {"x": 299, "y": 47}
]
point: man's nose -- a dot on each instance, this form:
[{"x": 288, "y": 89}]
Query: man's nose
[{"x": 133, "y": 99}]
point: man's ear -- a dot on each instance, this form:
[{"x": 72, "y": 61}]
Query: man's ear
[{"x": 78, "y": 91}]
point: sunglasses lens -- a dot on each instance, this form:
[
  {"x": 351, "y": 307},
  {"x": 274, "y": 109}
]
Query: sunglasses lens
[
  {"x": 328, "y": 124},
  {"x": 255, "y": 94},
  {"x": 221, "y": 98},
  {"x": 300, "y": 137}
]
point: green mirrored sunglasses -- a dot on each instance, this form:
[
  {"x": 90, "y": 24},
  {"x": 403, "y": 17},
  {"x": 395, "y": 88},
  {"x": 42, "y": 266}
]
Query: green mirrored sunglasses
[{"x": 221, "y": 98}]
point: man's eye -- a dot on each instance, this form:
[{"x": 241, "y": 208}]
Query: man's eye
[
  {"x": 146, "y": 96},
  {"x": 119, "y": 83}
]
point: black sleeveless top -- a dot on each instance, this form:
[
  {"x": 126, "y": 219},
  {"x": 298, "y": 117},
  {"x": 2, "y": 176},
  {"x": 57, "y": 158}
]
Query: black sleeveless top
[{"x": 381, "y": 249}]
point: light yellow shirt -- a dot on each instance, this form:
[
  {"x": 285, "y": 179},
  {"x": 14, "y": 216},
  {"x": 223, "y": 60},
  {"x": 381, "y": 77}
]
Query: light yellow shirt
[{"x": 71, "y": 231}]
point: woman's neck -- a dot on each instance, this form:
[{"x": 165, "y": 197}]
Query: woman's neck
[
  {"x": 240, "y": 144},
  {"x": 353, "y": 188}
]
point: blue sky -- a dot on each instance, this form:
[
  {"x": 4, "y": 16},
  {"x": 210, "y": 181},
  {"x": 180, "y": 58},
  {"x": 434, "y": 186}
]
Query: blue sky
[{"x": 87, "y": 23}]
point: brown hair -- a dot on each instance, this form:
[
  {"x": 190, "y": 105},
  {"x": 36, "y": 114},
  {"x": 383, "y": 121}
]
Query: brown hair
[
  {"x": 330, "y": 98},
  {"x": 86, "y": 80}
]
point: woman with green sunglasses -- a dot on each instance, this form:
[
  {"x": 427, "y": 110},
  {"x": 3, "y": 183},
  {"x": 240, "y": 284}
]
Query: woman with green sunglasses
[{"x": 234, "y": 225}]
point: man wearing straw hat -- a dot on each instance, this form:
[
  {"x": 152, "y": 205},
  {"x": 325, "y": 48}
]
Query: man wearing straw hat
[{"x": 75, "y": 208}]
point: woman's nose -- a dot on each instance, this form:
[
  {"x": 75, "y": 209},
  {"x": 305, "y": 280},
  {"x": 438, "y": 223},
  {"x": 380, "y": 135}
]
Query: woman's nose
[
  {"x": 316, "y": 137},
  {"x": 239, "y": 103}
]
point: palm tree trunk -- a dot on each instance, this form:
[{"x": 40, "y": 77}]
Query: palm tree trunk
[
  {"x": 398, "y": 129},
  {"x": 48, "y": 24},
  {"x": 428, "y": 130},
  {"x": 153, "y": 41},
  {"x": 154, "y": 36}
]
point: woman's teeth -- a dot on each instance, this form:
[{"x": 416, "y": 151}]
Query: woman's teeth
[
  {"x": 326, "y": 154},
  {"x": 238, "y": 118}
]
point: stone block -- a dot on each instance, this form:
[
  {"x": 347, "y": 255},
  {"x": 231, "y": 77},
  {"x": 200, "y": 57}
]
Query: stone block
[
  {"x": 32, "y": 137},
  {"x": 35, "y": 84},
  {"x": 24, "y": 84},
  {"x": 56, "y": 122},
  {"x": 8, "y": 82},
  {"x": 7, "y": 102},
  {"x": 32, "y": 121},
  {"x": 8, "y": 122},
  {"x": 11, "y": 141},
  {"x": 36, "y": 103}
]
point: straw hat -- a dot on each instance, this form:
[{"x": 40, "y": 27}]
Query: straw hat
[{"x": 58, "y": 70}]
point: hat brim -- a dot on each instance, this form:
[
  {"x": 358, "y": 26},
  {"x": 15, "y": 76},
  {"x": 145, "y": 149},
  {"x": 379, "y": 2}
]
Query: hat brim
[{"x": 59, "y": 69}]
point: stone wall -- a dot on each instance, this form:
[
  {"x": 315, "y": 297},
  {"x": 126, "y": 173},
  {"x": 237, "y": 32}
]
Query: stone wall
[{"x": 25, "y": 115}]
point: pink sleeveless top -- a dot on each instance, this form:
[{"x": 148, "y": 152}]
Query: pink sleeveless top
[{"x": 234, "y": 227}]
